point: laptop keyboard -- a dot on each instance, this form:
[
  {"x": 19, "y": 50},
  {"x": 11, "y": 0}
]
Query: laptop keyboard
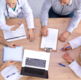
[{"x": 35, "y": 62}]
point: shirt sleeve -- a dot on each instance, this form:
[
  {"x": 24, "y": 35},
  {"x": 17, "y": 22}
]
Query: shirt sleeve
[
  {"x": 76, "y": 68},
  {"x": 28, "y": 14},
  {"x": 3, "y": 25},
  {"x": 44, "y": 12},
  {"x": 75, "y": 42},
  {"x": 75, "y": 20}
]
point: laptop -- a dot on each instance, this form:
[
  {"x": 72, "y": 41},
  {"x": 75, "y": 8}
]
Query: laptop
[{"x": 35, "y": 64}]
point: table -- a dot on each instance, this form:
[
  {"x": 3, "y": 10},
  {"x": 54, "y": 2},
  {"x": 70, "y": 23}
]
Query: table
[{"x": 56, "y": 72}]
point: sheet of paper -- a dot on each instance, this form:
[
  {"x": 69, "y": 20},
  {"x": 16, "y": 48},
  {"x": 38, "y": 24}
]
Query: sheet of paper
[
  {"x": 76, "y": 68},
  {"x": 51, "y": 40},
  {"x": 8, "y": 71},
  {"x": 13, "y": 53},
  {"x": 15, "y": 35}
]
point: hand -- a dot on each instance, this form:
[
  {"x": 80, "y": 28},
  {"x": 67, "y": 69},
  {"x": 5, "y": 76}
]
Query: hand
[
  {"x": 9, "y": 63},
  {"x": 67, "y": 57},
  {"x": 64, "y": 36},
  {"x": 44, "y": 31},
  {"x": 13, "y": 45},
  {"x": 15, "y": 27},
  {"x": 31, "y": 36},
  {"x": 65, "y": 47}
]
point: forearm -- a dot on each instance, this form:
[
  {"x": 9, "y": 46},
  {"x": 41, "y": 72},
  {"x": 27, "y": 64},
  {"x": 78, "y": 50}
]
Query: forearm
[
  {"x": 2, "y": 66},
  {"x": 3, "y": 41},
  {"x": 76, "y": 68},
  {"x": 73, "y": 23},
  {"x": 5, "y": 27},
  {"x": 30, "y": 20},
  {"x": 44, "y": 12},
  {"x": 75, "y": 42}
]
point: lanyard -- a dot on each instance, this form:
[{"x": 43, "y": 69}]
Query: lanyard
[{"x": 8, "y": 11}]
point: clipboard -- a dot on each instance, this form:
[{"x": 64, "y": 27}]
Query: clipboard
[{"x": 48, "y": 49}]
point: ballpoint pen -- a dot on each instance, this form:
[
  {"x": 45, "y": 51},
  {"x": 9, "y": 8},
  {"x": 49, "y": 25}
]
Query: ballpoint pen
[
  {"x": 62, "y": 64},
  {"x": 66, "y": 47}
]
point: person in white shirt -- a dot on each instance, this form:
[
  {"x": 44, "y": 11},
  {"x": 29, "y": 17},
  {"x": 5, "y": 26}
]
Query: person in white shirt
[
  {"x": 73, "y": 64},
  {"x": 16, "y": 9},
  {"x": 61, "y": 8}
]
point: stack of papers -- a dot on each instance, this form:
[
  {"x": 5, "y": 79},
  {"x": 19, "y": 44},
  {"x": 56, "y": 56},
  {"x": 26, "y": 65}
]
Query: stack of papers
[
  {"x": 15, "y": 35},
  {"x": 11, "y": 73}
]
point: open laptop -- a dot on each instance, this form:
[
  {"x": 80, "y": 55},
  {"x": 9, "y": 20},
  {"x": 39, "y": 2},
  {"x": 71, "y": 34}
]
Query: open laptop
[{"x": 35, "y": 64}]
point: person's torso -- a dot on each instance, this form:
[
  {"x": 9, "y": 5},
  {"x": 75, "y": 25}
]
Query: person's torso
[
  {"x": 9, "y": 13},
  {"x": 64, "y": 9}
]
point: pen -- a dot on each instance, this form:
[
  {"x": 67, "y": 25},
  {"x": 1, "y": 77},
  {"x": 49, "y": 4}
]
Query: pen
[
  {"x": 66, "y": 47},
  {"x": 10, "y": 75},
  {"x": 62, "y": 64}
]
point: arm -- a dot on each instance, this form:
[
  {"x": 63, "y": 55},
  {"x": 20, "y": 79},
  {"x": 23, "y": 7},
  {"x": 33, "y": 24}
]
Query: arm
[
  {"x": 3, "y": 41},
  {"x": 28, "y": 14},
  {"x": 75, "y": 20},
  {"x": 29, "y": 20},
  {"x": 75, "y": 42},
  {"x": 10, "y": 44},
  {"x": 76, "y": 68},
  {"x": 73, "y": 64},
  {"x": 44, "y": 12},
  {"x": 5, "y": 64},
  {"x": 2, "y": 67},
  {"x": 3, "y": 25}
]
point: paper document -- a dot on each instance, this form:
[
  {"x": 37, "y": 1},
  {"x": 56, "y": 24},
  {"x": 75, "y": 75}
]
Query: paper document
[
  {"x": 11, "y": 73},
  {"x": 76, "y": 68},
  {"x": 51, "y": 40},
  {"x": 15, "y": 35},
  {"x": 14, "y": 54}
]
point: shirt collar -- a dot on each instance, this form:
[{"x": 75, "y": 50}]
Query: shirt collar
[{"x": 70, "y": 2}]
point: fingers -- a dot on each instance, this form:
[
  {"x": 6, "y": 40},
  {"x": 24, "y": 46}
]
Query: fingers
[
  {"x": 47, "y": 33},
  {"x": 32, "y": 38},
  {"x": 28, "y": 36},
  {"x": 19, "y": 23},
  {"x": 15, "y": 45}
]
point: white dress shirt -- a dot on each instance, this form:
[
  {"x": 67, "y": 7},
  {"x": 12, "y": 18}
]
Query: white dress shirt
[
  {"x": 74, "y": 65},
  {"x": 76, "y": 68},
  {"x": 22, "y": 10},
  {"x": 75, "y": 42},
  {"x": 73, "y": 6}
]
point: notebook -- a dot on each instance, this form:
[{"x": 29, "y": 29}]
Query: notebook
[
  {"x": 14, "y": 54},
  {"x": 50, "y": 41},
  {"x": 35, "y": 64},
  {"x": 15, "y": 35},
  {"x": 11, "y": 73}
]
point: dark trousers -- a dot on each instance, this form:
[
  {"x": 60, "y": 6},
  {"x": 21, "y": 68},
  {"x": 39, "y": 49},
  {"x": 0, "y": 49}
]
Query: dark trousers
[{"x": 52, "y": 14}]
